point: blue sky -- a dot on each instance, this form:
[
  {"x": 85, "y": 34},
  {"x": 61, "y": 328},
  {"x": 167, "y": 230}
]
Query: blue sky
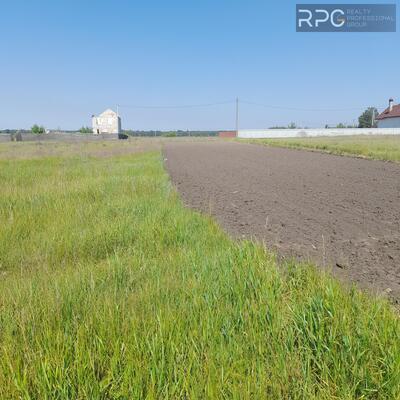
[{"x": 65, "y": 60}]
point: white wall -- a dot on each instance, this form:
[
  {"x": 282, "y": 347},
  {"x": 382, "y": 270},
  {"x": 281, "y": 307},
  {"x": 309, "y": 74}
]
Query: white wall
[
  {"x": 389, "y": 123},
  {"x": 299, "y": 133},
  {"x": 106, "y": 124}
]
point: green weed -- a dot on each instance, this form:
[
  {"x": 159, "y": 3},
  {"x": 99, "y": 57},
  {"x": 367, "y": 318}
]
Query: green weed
[{"x": 111, "y": 289}]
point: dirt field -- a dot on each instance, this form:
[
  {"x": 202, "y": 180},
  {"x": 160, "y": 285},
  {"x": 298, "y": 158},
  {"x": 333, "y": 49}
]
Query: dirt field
[{"x": 339, "y": 212}]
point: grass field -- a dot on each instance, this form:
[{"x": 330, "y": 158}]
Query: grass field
[
  {"x": 376, "y": 147},
  {"x": 111, "y": 289}
]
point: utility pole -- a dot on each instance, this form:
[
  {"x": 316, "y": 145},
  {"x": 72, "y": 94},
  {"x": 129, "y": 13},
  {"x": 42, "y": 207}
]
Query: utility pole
[
  {"x": 237, "y": 116},
  {"x": 373, "y": 118},
  {"x": 119, "y": 130}
]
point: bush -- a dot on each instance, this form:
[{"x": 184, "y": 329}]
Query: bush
[
  {"x": 85, "y": 129},
  {"x": 37, "y": 130}
]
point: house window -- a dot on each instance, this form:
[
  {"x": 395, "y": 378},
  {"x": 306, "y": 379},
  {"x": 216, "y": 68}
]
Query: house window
[{"x": 110, "y": 121}]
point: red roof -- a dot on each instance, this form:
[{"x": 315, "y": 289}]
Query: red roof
[{"x": 390, "y": 114}]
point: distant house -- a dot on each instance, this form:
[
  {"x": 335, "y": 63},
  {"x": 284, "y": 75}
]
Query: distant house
[
  {"x": 106, "y": 122},
  {"x": 390, "y": 118}
]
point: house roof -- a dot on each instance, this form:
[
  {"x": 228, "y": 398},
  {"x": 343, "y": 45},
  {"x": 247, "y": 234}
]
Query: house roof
[
  {"x": 107, "y": 112},
  {"x": 390, "y": 114}
]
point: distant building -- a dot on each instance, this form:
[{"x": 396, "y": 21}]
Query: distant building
[
  {"x": 106, "y": 122},
  {"x": 390, "y": 118},
  {"x": 227, "y": 134}
]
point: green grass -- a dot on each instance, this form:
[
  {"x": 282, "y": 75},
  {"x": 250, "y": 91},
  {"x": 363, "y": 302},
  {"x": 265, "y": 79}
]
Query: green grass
[
  {"x": 111, "y": 289},
  {"x": 375, "y": 147}
]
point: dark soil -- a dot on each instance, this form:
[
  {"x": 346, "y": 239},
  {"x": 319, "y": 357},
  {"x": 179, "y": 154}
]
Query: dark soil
[{"x": 341, "y": 213}]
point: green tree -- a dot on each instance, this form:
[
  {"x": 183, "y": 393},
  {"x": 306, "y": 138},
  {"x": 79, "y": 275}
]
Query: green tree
[
  {"x": 341, "y": 125},
  {"x": 368, "y": 118},
  {"x": 292, "y": 125},
  {"x": 85, "y": 129},
  {"x": 37, "y": 130},
  {"x": 170, "y": 134}
]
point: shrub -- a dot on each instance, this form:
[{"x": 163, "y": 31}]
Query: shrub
[
  {"x": 85, "y": 129},
  {"x": 37, "y": 130}
]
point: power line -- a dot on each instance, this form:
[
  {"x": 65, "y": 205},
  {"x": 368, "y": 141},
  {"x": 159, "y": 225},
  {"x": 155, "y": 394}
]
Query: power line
[
  {"x": 236, "y": 101},
  {"x": 237, "y": 116},
  {"x": 302, "y": 109},
  {"x": 176, "y": 106}
]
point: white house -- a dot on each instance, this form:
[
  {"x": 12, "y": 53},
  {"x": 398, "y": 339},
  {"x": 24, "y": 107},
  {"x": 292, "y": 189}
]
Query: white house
[
  {"x": 390, "y": 118},
  {"x": 106, "y": 122}
]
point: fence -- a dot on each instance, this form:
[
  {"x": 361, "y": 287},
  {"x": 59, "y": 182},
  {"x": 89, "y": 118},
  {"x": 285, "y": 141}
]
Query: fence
[{"x": 302, "y": 133}]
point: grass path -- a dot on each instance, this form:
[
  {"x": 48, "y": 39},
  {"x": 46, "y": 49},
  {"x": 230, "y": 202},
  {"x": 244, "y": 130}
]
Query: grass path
[
  {"x": 111, "y": 289},
  {"x": 375, "y": 147}
]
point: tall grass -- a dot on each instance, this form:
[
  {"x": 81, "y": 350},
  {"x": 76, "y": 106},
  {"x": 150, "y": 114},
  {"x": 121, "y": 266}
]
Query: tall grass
[
  {"x": 111, "y": 289},
  {"x": 376, "y": 147}
]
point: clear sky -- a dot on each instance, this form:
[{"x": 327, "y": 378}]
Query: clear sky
[{"x": 63, "y": 61}]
